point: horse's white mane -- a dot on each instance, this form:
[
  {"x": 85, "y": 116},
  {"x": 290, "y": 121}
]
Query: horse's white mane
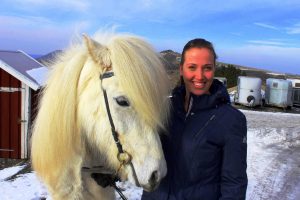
[
  {"x": 57, "y": 141},
  {"x": 133, "y": 61}
]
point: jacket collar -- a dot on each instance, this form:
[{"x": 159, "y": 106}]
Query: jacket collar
[{"x": 218, "y": 95}]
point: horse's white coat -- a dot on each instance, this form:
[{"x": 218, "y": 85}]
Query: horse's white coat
[{"x": 72, "y": 128}]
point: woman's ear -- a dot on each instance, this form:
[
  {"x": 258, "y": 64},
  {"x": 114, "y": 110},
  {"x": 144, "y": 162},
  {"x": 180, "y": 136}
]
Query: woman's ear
[{"x": 181, "y": 70}]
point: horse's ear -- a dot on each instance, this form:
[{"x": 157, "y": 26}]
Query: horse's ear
[{"x": 99, "y": 53}]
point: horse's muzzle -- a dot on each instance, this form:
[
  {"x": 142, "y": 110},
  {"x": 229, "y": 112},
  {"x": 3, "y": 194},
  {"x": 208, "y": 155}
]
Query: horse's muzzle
[{"x": 152, "y": 183}]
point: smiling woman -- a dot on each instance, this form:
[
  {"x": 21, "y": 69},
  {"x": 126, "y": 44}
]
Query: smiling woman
[
  {"x": 206, "y": 147},
  {"x": 197, "y": 71}
]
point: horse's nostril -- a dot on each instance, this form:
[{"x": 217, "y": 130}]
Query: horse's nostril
[{"x": 154, "y": 178}]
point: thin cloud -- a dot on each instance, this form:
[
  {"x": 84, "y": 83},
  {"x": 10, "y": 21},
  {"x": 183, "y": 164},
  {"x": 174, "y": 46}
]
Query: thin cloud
[
  {"x": 36, "y": 23},
  {"x": 23, "y": 21},
  {"x": 294, "y": 29},
  {"x": 265, "y": 25},
  {"x": 267, "y": 42},
  {"x": 236, "y": 34},
  {"x": 28, "y": 33},
  {"x": 144, "y": 10},
  {"x": 33, "y": 5}
]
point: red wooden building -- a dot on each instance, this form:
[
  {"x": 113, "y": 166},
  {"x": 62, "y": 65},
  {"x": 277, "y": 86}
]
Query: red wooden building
[{"x": 21, "y": 76}]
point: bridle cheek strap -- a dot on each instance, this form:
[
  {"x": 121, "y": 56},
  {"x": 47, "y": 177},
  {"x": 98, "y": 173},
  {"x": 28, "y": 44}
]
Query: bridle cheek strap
[
  {"x": 112, "y": 125},
  {"x": 123, "y": 156}
]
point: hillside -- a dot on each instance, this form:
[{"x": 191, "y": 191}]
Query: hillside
[
  {"x": 48, "y": 58},
  {"x": 171, "y": 60},
  {"x": 261, "y": 73}
]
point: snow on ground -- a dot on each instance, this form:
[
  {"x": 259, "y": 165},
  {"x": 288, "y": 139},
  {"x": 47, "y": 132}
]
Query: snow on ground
[
  {"x": 25, "y": 187},
  {"x": 273, "y": 155},
  {"x": 273, "y": 163},
  {"x": 5, "y": 173}
]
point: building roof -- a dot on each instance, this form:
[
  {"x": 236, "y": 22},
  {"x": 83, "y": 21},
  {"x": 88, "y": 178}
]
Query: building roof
[{"x": 23, "y": 67}]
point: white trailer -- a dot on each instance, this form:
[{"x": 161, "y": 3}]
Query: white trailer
[
  {"x": 249, "y": 91},
  {"x": 295, "y": 91},
  {"x": 278, "y": 93}
]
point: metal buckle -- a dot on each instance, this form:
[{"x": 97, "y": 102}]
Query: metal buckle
[
  {"x": 124, "y": 157},
  {"x": 106, "y": 75}
]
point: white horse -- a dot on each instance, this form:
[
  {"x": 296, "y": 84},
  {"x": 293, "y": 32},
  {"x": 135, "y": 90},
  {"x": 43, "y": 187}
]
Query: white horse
[{"x": 72, "y": 129}]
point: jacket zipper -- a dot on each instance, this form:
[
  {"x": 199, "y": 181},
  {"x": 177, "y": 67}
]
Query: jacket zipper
[
  {"x": 189, "y": 108},
  {"x": 205, "y": 125}
]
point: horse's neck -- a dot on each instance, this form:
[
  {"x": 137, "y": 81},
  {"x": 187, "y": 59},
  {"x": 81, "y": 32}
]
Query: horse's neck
[
  {"x": 93, "y": 161},
  {"x": 92, "y": 191}
]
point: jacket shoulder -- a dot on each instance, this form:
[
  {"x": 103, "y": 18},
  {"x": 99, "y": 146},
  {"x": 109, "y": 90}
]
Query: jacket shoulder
[
  {"x": 231, "y": 113},
  {"x": 232, "y": 121}
]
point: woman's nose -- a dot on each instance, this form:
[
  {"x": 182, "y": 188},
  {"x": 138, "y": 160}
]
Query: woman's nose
[{"x": 199, "y": 74}]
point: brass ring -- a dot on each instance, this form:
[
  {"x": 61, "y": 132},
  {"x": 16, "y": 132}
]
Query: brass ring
[{"x": 124, "y": 157}]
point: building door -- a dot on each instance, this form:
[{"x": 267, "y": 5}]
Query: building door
[
  {"x": 10, "y": 115},
  {"x": 10, "y": 123}
]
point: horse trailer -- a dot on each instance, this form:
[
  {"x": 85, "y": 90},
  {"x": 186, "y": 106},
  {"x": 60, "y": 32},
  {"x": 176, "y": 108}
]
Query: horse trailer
[
  {"x": 223, "y": 80},
  {"x": 248, "y": 91},
  {"x": 295, "y": 91},
  {"x": 278, "y": 93}
]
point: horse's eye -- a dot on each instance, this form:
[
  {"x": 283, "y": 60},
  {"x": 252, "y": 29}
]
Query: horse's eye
[{"x": 122, "y": 101}]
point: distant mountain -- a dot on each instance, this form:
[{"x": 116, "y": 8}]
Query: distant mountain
[
  {"x": 171, "y": 60},
  {"x": 260, "y": 73},
  {"x": 48, "y": 58}
]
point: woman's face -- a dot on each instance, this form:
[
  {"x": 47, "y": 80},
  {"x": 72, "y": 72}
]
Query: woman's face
[{"x": 198, "y": 70}]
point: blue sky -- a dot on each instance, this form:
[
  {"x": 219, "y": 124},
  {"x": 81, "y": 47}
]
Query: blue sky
[{"x": 255, "y": 33}]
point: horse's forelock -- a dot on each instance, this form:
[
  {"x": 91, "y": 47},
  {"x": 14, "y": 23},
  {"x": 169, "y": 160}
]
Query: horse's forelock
[{"x": 142, "y": 76}]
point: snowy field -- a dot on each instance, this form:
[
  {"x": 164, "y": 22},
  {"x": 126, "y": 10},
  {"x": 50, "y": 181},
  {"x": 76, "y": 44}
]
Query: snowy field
[{"x": 273, "y": 163}]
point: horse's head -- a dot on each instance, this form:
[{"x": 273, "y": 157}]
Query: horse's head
[
  {"x": 137, "y": 99},
  {"x": 72, "y": 127}
]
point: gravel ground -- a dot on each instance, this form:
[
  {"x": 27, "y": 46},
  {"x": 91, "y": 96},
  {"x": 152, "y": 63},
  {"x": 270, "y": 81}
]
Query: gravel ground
[{"x": 4, "y": 162}]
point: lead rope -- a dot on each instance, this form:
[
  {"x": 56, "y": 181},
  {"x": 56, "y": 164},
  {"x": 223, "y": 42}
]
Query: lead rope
[
  {"x": 119, "y": 192},
  {"x": 122, "y": 156}
]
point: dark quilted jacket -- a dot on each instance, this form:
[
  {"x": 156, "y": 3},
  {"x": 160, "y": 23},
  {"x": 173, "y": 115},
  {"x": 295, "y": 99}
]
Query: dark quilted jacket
[{"x": 205, "y": 149}]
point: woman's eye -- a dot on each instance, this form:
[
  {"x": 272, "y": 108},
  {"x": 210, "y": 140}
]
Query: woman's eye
[
  {"x": 191, "y": 67},
  {"x": 208, "y": 68},
  {"x": 122, "y": 101}
]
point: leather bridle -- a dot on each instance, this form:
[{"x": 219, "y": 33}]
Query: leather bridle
[{"x": 124, "y": 157}]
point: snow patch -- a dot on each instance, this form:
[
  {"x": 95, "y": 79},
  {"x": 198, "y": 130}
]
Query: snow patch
[
  {"x": 39, "y": 75},
  {"x": 7, "y": 172}
]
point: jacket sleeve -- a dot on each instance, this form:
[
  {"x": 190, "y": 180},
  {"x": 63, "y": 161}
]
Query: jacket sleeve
[{"x": 234, "y": 165}]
